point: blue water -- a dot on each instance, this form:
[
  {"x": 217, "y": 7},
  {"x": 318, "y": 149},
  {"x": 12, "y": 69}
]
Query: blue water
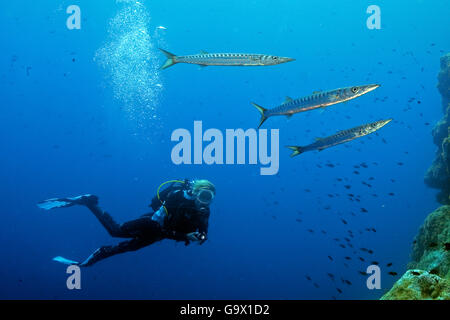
[{"x": 88, "y": 111}]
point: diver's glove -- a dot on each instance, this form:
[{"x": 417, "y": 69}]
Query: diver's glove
[
  {"x": 186, "y": 237},
  {"x": 196, "y": 237}
]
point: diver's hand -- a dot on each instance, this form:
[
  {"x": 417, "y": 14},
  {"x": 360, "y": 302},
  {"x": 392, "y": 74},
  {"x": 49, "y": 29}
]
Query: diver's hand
[{"x": 196, "y": 236}]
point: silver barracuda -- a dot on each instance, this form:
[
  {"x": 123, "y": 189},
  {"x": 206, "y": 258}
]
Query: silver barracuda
[
  {"x": 316, "y": 100},
  {"x": 224, "y": 59},
  {"x": 340, "y": 137}
]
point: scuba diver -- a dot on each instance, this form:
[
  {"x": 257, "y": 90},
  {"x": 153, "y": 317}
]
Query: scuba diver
[{"x": 181, "y": 213}]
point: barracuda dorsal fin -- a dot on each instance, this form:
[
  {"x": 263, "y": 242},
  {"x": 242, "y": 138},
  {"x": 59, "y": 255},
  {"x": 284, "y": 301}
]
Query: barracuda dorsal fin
[
  {"x": 203, "y": 52},
  {"x": 316, "y": 92},
  {"x": 287, "y": 100},
  {"x": 317, "y": 138}
]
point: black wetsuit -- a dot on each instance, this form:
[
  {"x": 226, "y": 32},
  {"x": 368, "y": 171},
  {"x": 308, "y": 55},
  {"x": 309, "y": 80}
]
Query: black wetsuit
[{"x": 183, "y": 217}]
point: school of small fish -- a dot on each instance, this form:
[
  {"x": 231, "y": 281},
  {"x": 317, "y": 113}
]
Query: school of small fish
[{"x": 293, "y": 106}]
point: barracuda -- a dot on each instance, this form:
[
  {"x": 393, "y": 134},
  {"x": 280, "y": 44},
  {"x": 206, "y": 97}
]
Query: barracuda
[
  {"x": 314, "y": 101},
  {"x": 224, "y": 59},
  {"x": 340, "y": 137}
]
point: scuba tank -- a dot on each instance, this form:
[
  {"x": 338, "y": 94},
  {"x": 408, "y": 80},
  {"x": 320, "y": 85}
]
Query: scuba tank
[{"x": 160, "y": 198}]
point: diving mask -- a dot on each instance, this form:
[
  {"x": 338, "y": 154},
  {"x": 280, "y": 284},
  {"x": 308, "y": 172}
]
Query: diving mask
[{"x": 204, "y": 196}]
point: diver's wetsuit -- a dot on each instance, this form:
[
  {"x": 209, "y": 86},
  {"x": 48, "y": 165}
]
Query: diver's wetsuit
[{"x": 183, "y": 217}]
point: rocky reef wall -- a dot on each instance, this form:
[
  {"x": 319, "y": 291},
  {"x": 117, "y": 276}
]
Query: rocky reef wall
[
  {"x": 428, "y": 276},
  {"x": 438, "y": 175},
  {"x": 431, "y": 248},
  {"x": 419, "y": 285}
]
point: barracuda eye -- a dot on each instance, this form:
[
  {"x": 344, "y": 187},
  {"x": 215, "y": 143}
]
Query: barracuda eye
[
  {"x": 274, "y": 58},
  {"x": 354, "y": 89}
]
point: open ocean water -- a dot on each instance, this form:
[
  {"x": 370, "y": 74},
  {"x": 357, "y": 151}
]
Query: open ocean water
[{"x": 89, "y": 111}]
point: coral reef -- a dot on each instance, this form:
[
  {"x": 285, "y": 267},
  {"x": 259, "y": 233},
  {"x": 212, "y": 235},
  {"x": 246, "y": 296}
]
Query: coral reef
[
  {"x": 438, "y": 175},
  {"x": 419, "y": 285},
  {"x": 430, "y": 250},
  {"x": 429, "y": 274}
]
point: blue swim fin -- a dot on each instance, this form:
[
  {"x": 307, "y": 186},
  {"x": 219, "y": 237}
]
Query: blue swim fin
[
  {"x": 84, "y": 199},
  {"x": 64, "y": 261},
  {"x": 54, "y": 203}
]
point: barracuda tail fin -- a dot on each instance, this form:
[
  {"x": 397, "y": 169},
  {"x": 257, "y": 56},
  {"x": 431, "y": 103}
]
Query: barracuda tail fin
[
  {"x": 296, "y": 150},
  {"x": 261, "y": 110},
  {"x": 170, "y": 59}
]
